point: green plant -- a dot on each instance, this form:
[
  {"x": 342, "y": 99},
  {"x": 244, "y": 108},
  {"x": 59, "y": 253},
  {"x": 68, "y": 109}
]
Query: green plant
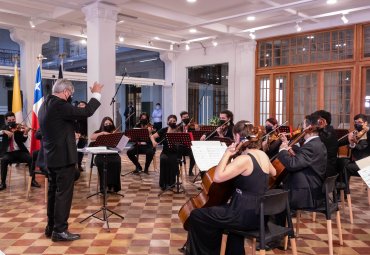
[{"x": 214, "y": 121}]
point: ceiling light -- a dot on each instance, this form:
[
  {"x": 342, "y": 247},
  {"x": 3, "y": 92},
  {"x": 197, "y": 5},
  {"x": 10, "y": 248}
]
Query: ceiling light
[
  {"x": 32, "y": 24},
  {"x": 298, "y": 27},
  {"x": 157, "y": 38},
  {"x": 214, "y": 43},
  {"x": 148, "y": 60},
  {"x": 344, "y": 19},
  {"x": 83, "y": 42},
  {"x": 171, "y": 47},
  {"x": 331, "y": 1},
  {"x": 191, "y": 1},
  {"x": 252, "y": 35},
  {"x": 121, "y": 38},
  {"x": 251, "y": 18},
  {"x": 192, "y": 30},
  {"x": 187, "y": 47}
]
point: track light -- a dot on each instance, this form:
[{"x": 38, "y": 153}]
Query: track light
[
  {"x": 187, "y": 47},
  {"x": 214, "y": 43},
  {"x": 252, "y": 35},
  {"x": 32, "y": 24},
  {"x": 298, "y": 27},
  {"x": 121, "y": 38},
  {"x": 344, "y": 19},
  {"x": 171, "y": 47}
]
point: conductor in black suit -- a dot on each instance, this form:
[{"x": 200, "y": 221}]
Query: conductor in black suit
[{"x": 57, "y": 118}]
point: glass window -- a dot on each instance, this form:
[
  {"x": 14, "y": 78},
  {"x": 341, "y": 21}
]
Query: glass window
[
  {"x": 367, "y": 95},
  {"x": 264, "y": 89},
  {"x": 367, "y": 41},
  {"x": 8, "y": 49},
  {"x": 280, "y": 98}
]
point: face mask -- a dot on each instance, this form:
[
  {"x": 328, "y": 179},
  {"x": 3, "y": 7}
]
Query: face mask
[
  {"x": 222, "y": 122},
  {"x": 144, "y": 121},
  {"x": 358, "y": 127},
  {"x": 157, "y": 107},
  {"x": 12, "y": 124},
  {"x": 172, "y": 125},
  {"x": 186, "y": 121},
  {"x": 268, "y": 129},
  {"x": 109, "y": 128},
  {"x": 69, "y": 99}
]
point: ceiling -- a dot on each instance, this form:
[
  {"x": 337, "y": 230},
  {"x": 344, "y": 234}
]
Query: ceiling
[{"x": 159, "y": 23}]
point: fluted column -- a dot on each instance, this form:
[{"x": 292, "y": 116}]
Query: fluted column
[{"x": 169, "y": 90}]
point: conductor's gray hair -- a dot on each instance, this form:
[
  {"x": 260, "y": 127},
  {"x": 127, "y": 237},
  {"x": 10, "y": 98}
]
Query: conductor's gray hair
[{"x": 62, "y": 84}]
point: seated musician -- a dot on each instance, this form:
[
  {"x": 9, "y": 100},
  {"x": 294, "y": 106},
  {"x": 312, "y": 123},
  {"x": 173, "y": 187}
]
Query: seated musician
[
  {"x": 168, "y": 168},
  {"x": 250, "y": 172},
  {"x": 185, "y": 151},
  {"x": 13, "y": 148},
  {"x": 81, "y": 131},
  {"x": 113, "y": 160},
  {"x": 306, "y": 167},
  {"x": 272, "y": 142},
  {"x": 328, "y": 136},
  {"x": 359, "y": 142},
  {"x": 142, "y": 148},
  {"x": 225, "y": 128}
]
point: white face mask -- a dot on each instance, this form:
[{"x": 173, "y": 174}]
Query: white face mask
[{"x": 157, "y": 107}]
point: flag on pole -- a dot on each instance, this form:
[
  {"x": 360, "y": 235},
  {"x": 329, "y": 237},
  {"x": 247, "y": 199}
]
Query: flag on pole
[
  {"x": 17, "y": 100},
  {"x": 38, "y": 98}
]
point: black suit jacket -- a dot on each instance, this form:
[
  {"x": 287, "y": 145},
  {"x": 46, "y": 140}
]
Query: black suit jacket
[
  {"x": 306, "y": 173},
  {"x": 362, "y": 148},
  {"x": 19, "y": 139},
  {"x": 56, "y": 118},
  {"x": 329, "y": 137}
]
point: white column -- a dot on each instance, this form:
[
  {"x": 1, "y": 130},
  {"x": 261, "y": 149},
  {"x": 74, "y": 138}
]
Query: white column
[
  {"x": 244, "y": 82},
  {"x": 101, "y": 21},
  {"x": 169, "y": 90},
  {"x": 30, "y": 42}
]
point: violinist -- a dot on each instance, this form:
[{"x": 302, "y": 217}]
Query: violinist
[
  {"x": 142, "y": 148},
  {"x": 13, "y": 149},
  {"x": 359, "y": 142},
  {"x": 225, "y": 129},
  {"x": 81, "y": 134},
  {"x": 113, "y": 160},
  {"x": 250, "y": 172},
  {"x": 168, "y": 168},
  {"x": 272, "y": 141},
  {"x": 185, "y": 151},
  {"x": 328, "y": 136}
]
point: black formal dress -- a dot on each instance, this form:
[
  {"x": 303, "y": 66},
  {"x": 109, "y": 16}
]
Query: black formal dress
[
  {"x": 306, "y": 173},
  {"x": 207, "y": 224},
  {"x": 329, "y": 137},
  {"x": 169, "y": 167},
  {"x": 56, "y": 117}
]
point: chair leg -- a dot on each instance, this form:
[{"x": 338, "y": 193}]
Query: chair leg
[
  {"x": 293, "y": 244},
  {"x": 10, "y": 168},
  {"x": 330, "y": 236},
  {"x": 314, "y": 216},
  {"x": 349, "y": 200},
  {"x": 25, "y": 175},
  {"x": 286, "y": 238},
  {"x": 343, "y": 202},
  {"x": 46, "y": 189},
  {"x": 368, "y": 195},
  {"x": 339, "y": 225},
  {"x": 28, "y": 187},
  {"x": 297, "y": 223},
  {"x": 91, "y": 169},
  {"x": 223, "y": 244},
  {"x": 254, "y": 244},
  {"x": 262, "y": 252},
  {"x": 155, "y": 163}
]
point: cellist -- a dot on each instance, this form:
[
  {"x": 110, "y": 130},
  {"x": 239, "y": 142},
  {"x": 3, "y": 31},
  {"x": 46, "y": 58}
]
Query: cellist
[{"x": 249, "y": 172}]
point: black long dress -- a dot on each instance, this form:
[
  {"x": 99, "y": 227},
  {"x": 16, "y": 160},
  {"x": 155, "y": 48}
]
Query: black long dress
[
  {"x": 168, "y": 162},
  {"x": 207, "y": 224}
]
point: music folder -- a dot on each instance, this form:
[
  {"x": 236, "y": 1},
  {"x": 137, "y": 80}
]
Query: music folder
[
  {"x": 115, "y": 141},
  {"x": 207, "y": 154}
]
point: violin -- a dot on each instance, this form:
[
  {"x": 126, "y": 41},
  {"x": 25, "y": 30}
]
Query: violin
[
  {"x": 227, "y": 123},
  {"x": 20, "y": 127}
]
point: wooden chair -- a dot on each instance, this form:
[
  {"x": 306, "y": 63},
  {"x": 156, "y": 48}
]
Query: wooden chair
[
  {"x": 10, "y": 170},
  {"x": 45, "y": 174}
]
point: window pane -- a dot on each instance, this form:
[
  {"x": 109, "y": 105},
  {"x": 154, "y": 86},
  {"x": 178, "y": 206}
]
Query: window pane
[
  {"x": 264, "y": 99},
  {"x": 280, "y": 100}
]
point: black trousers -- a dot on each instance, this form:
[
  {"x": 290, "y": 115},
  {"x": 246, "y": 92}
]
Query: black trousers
[
  {"x": 15, "y": 157},
  {"x": 185, "y": 151},
  {"x": 61, "y": 183},
  {"x": 147, "y": 149},
  {"x": 80, "y": 144}
]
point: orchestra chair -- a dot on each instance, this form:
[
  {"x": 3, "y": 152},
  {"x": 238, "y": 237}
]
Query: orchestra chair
[
  {"x": 274, "y": 202},
  {"x": 10, "y": 169},
  {"x": 328, "y": 208},
  {"x": 45, "y": 174}
]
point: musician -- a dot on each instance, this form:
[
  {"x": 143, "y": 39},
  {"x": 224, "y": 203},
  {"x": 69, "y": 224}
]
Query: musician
[
  {"x": 142, "y": 148},
  {"x": 271, "y": 144},
  {"x": 250, "y": 172},
  {"x": 328, "y": 136},
  {"x": 185, "y": 151},
  {"x": 359, "y": 142},
  {"x": 157, "y": 117},
  {"x": 130, "y": 116},
  {"x": 113, "y": 160},
  {"x": 13, "y": 148},
  {"x": 81, "y": 131},
  {"x": 168, "y": 159},
  {"x": 224, "y": 130},
  {"x": 306, "y": 169}
]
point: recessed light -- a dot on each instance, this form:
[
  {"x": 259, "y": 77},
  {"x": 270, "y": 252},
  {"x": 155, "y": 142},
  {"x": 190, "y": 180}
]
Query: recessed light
[
  {"x": 192, "y": 30},
  {"x": 157, "y": 38},
  {"x": 251, "y": 18},
  {"x": 331, "y": 1},
  {"x": 191, "y": 1}
]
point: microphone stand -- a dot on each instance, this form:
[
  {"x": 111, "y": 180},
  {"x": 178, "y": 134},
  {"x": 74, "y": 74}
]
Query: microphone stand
[{"x": 112, "y": 102}]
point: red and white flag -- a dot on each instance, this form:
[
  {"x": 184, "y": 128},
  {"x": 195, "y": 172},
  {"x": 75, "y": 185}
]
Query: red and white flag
[{"x": 37, "y": 101}]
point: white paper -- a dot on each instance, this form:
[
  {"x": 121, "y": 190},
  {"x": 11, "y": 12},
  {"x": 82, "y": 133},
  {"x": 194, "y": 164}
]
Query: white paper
[
  {"x": 363, "y": 163},
  {"x": 99, "y": 150},
  {"x": 208, "y": 154},
  {"x": 365, "y": 175},
  {"x": 122, "y": 143}
]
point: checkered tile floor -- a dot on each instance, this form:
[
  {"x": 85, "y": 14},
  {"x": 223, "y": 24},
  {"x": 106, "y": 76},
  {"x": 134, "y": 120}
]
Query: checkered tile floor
[{"x": 151, "y": 224}]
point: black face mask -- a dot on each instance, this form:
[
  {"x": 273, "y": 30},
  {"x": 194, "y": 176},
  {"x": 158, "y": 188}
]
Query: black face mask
[
  {"x": 186, "y": 121},
  {"x": 268, "y": 129},
  {"x": 143, "y": 121},
  {"x": 172, "y": 125},
  {"x": 222, "y": 122},
  {"x": 358, "y": 127},
  {"x": 108, "y": 128},
  {"x": 12, "y": 124}
]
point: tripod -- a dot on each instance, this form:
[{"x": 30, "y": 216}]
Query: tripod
[{"x": 104, "y": 208}]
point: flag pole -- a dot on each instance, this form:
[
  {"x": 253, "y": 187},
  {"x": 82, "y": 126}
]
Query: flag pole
[{"x": 61, "y": 66}]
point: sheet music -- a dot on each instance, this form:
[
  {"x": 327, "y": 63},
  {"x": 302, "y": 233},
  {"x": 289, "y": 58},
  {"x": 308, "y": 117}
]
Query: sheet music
[
  {"x": 122, "y": 143},
  {"x": 99, "y": 150},
  {"x": 365, "y": 175},
  {"x": 363, "y": 163},
  {"x": 207, "y": 154}
]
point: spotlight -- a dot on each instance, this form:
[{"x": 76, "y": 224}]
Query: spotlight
[
  {"x": 251, "y": 18},
  {"x": 171, "y": 47},
  {"x": 32, "y": 24},
  {"x": 121, "y": 38},
  {"x": 252, "y": 35},
  {"x": 298, "y": 27},
  {"x": 344, "y": 19},
  {"x": 83, "y": 42},
  {"x": 331, "y": 1},
  {"x": 192, "y": 30},
  {"x": 187, "y": 47},
  {"x": 214, "y": 43}
]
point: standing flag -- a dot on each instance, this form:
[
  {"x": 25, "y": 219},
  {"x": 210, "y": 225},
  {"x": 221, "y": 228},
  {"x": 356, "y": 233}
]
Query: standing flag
[
  {"x": 60, "y": 75},
  {"x": 17, "y": 100},
  {"x": 37, "y": 101}
]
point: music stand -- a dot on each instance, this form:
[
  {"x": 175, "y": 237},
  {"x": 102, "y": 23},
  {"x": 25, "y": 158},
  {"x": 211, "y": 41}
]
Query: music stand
[
  {"x": 174, "y": 140},
  {"x": 207, "y": 128},
  {"x": 285, "y": 129},
  {"x": 197, "y": 134},
  {"x": 137, "y": 135},
  {"x": 104, "y": 208}
]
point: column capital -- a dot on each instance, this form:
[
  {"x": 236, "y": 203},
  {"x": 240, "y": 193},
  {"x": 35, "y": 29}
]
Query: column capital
[
  {"x": 21, "y": 36},
  {"x": 167, "y": 57},
  {"x": 99, "y": 10},
  {"x": 247, "y": 46}
]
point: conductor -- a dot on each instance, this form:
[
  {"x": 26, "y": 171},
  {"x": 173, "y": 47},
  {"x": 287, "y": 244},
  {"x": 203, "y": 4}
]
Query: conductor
[{"x": 56, "y": 118}]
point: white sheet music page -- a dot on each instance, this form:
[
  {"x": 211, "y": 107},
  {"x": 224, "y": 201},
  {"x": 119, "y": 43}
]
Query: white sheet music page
[
  {"x": 363, "y": 163},
  {"x": 365, "y": 175},
  {"x": 207, "y": 154}
]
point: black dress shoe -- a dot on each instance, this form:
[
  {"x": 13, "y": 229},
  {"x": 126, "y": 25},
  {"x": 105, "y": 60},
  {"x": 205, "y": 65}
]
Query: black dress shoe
[
  {"x": 64, "y": 236},
  {"x": 35, "y": 184},
  {"x": 48, "y": 231},
  {"x": 2, "y": 186}
]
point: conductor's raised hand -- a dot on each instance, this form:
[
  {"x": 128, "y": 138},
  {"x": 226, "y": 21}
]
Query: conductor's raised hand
[{"x": 96, "y": 88}]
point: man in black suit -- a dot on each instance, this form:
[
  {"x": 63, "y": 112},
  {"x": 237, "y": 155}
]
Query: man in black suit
[
  {"x": 13, "y": 149},
  {"x": 56, "y": 117},
  {"x": 306, "y": 169}
]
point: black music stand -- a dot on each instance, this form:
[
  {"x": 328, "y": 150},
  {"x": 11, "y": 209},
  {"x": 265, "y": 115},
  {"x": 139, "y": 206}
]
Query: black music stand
[
  {"x": 137, "y": 135},
  {"x": 174, "y": 141},
  {"x": 104, "y": 208},
  {"x": 285, "y": 129},
  {"x": 197, "y": 134},
  {"x": 207, "y": 128}
]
